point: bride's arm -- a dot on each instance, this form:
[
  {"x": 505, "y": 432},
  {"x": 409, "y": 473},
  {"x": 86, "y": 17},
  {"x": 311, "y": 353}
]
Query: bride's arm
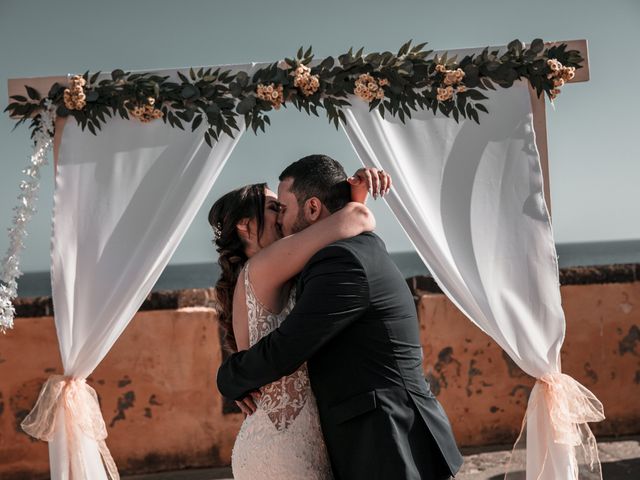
[{"x": 273, "y": 266}]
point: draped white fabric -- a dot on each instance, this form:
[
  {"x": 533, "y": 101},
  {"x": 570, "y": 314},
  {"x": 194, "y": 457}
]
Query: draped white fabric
[
  {"x": 470, "y": 198},
  {"x": 123, "y": 201}
]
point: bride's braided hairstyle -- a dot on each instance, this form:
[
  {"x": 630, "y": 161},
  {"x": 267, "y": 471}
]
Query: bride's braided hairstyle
[{"x": 225, "y": 214}]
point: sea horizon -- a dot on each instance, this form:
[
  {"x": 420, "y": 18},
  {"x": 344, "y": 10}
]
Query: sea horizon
[{"x": 204, "y": 275}]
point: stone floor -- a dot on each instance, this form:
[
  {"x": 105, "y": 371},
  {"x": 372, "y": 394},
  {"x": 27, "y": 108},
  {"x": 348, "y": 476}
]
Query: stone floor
[{"x": 620, "y": 460}]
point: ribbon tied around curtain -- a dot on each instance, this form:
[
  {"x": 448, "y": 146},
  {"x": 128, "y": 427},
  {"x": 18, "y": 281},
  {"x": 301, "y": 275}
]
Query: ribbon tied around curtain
[
  {"x": 570, "y": 406},
  {"x": 81, "y": 412}
]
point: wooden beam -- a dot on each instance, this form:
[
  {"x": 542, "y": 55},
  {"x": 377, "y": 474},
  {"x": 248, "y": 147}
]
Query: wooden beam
[{"x": 15, "y": 86}]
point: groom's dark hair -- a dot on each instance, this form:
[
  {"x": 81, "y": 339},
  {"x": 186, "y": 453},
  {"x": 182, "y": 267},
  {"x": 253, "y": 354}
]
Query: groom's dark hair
[{"x": 319, "y": 176}]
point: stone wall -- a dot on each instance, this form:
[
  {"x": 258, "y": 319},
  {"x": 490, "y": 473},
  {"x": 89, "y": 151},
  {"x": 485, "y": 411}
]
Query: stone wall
[{"x": 162, "y": 409}]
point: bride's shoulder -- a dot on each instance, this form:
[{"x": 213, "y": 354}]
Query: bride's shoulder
[{"x": 241, "y": 282}]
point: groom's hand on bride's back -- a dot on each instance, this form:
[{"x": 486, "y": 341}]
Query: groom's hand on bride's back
[
  {"x": 248, "y": 403},
  {"x": 369, "y": 181}
]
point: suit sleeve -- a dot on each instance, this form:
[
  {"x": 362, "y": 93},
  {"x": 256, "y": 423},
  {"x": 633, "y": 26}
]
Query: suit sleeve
[{"x": 335, "y": 294}]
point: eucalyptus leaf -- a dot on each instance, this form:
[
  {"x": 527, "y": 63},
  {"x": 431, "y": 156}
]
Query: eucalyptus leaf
[
  {"x": 117, "y": 74},
  {"x": 32, "y": 92},
  {"x": 196, "y": 123},
  {"x": 537, "y": 45},
  {"x": 62, "y": 111},
  {"x": 189, "y": 91},
  {"x": 246, "y": 105}
]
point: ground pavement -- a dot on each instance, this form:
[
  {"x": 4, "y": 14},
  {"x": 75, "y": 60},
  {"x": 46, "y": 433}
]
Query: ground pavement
[{"x": 620, "y": 460}]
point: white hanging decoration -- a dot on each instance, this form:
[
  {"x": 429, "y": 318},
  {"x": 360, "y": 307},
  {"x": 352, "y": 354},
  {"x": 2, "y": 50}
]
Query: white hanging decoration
[{"x": 24, "y": 210}]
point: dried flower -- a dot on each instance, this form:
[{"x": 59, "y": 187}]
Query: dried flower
[
  {"x": 461, "y": 89},
  {"x": 440, "y": 68},
  {"x": 453, "y": 77},
  {"x": 309, "y": 84},
  {"x": 445, "y": 94},
  {"x": 368, "y": 88},
  {"x": 567, "y": 73},
  {"x": 147, "y": 112},
  {"x": 270, "y": 93},
  {"x": 554, "y": 64},
  {"x": 559, "y": 76},
  {"x": 74, "y": 96}
]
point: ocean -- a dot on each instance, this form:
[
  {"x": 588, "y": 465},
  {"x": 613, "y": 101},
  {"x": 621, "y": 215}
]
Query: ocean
[{"x": 202, "y": 275}]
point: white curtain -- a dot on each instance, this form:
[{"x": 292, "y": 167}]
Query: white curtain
[
  {"x": 470, "y": 198},
  {"x": 123, "y": 201}
]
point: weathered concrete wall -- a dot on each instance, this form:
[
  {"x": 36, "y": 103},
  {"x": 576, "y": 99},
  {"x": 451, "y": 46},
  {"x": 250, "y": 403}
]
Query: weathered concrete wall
[
  {"x": 156, "y": 389},
  {"x": 159, "y": 400},
  {"x": 485, "y": 393}
]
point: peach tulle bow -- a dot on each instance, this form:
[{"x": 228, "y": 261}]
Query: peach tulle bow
[
  {"x": 570, "y": 406},
  {"x": 81, "y": 414}
]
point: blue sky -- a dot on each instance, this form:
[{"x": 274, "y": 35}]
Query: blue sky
[{"x": 593, "y": 132}]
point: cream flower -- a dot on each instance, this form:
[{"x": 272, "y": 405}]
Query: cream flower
[
  {"x": 78, "y": 80},
  {"x": 368, "y": 88},
  {"x": 270, "y": 93},
  {"x": 445, "y": 94},
  {"x": 453, "y": 77},
  {"x": 307, "y": 83},
  {"x": 554, "y": 64},
  {"x": 146, "y": 113},
  {"x": 74, "y": 96},
  {"x": 567, "y": 73}
]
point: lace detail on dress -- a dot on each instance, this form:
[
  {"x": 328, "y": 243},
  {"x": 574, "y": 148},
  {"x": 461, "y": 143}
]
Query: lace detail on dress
[
  {"x": 283, "y": 438},
  {"x": 283, "y": 399}
]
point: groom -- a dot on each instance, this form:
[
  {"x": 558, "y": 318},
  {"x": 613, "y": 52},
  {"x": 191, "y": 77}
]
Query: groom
[{"x": 355, "y": 325}]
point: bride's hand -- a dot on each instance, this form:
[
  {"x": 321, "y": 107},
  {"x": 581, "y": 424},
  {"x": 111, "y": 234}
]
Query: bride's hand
[
  {"x": 248, "y": 403},
  {"x": 369, "y": 180}
]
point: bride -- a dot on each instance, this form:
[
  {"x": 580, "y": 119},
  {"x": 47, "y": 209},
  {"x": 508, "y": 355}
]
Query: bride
[{"x": 280, "y": 437}]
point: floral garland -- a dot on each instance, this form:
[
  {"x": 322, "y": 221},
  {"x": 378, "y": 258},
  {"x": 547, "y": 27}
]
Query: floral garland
[{"x": 395, "y": 84}]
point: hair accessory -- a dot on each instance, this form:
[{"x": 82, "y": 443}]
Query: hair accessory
[{"x": 217, "y": 230}]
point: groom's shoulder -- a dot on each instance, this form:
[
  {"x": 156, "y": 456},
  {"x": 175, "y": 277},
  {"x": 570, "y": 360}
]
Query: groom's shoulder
[
  {"x": 364, "y": 241},
  {"x": 353, "y": 247}
]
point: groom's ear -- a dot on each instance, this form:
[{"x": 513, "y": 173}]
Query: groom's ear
[{"x": 313, "y": 209}]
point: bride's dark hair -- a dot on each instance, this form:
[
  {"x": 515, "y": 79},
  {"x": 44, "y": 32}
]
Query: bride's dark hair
[{"x": 225, "y": 214}]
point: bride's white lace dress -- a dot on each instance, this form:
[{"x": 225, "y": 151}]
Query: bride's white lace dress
[{"x": 282, "y": 439}]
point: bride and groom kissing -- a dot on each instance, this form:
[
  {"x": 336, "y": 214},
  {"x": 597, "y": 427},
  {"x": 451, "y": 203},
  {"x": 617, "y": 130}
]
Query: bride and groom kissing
[{"x": 327, "y": 360}]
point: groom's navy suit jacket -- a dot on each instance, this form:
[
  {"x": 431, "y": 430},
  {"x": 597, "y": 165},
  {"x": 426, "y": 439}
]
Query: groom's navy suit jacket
[{"x": 355, "y": 324}]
